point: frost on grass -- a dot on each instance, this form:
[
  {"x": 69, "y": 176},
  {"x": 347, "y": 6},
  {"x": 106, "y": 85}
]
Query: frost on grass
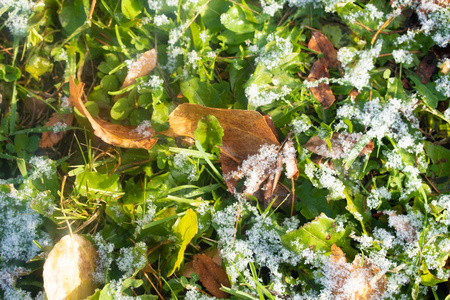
[
  {"x": 18, "y": 15},
  {"x": 132, "y": 259},
  {"x": 103, "y": 264},
  {"x": 301, "y": 124},
  {"x": 324, "y": 177},
  {"x": 261, "y": 244},
  {"x": 264, "y": 165},
  {"x": 42, "y": 167},
  {"x": 185, "y": 166},
  {"x": 259, "y": 95},
  {"x": 19, "y": 227},
  {"x": 358, "y": 74}
]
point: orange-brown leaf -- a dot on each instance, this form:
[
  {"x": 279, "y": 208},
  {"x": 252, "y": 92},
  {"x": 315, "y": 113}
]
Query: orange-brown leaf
[
  {"x": 357, "y": 280},
  {"x": 320, "y": 43},
  {"x": 322, "y": 92},
  {"x": 244, "y": 131},
  {"x": 341, "y": 144},
  {"x": 114, "y": 134},
  {"x": 50, "y": 138},
  {"x": 212, "y": 275},
  {"x": 141, "y": 67}
]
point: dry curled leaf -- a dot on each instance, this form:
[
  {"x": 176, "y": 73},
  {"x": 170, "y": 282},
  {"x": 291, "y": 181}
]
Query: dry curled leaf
[
  {"x": 341, "y": 144},
  {"x": 69, "y": 269},
  {"x": 51, "y": 138},
  {"x": 359, "y": 281},
  {"x": 114, "y": 134},
  {"x": 322, "y": 92},
  {"x": 212, "y": 275},
  {"x": 320, "y": 43},
  {"x": 141, "y": 67}
]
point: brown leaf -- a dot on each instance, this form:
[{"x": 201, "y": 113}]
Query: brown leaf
[
  {"x": 245, "y": 134},
  {"x": 188, "y": 268},
  {"x": 114, "y": 134},
  {"x": 141, "y": 67},
  {"x": 427, "y": 67},
  {"x": 50, "y": 138},
  {"x": 244, "y": 131},
  {"x": 341, "y": 144},
  {"x": 359, "y": 281},
  {"x": 320, "y": 43},
  {"x": 403, "y": 226},
  {"x": 322, "y": 92},
  {"x": 212, "y": 275}
]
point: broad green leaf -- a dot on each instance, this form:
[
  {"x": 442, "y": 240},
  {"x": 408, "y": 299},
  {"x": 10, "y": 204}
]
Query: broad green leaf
[
  {"x": 318, "y": 235},
  {"x": 209, "y": 133},
  {"x": 211, "y": 14},
  {"x": 184, "y": 230},
  {"x": 98, "y": 184},
  {"x": 160, "y": 116},
  {"x": 122, "y": 108},
  {"x": 37, "y": 66},
  {"x": 72, "y": 15},
  {"x": 429, "y": 93},
  {"x": 440, "y": 156},
  {"x": 131, "y": 8},
  {"x": 211, "y": 95},
  {"x": 9, "y": 73},
  {"x": 428, "y": 279},
  {"x": 313, "y": 201},
  {"x": 236, "y": 20}
]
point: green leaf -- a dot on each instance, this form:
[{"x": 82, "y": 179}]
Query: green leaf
[
  {"x": 72, "y": 16},
  {"x": 440, "y": 156},
  {"x": 122, "y": 108},
  {"x": 184, "y": 230},
  {"x": 198, "y": 92},
  {"x": 160, "y": 116},
  {"x": 428, "y": 279},
  {"x": 430, "y": 95},
  {"x": 131, "y": 8},
  {"x": 9, "y": 73},
  {"x": 313, "y": 201},
  {"x": 37, "y": 66},
  {"x": 318, "y": 235},
  {"x": 98, "y": 184},
  {"x": 209, "y": 133},
  {"x": 236, "y": 20}
]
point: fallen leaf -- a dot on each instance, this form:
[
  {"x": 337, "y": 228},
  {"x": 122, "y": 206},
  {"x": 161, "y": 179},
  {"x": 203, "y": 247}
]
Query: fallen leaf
[
  {"x": 403, "y": 226},
  {"x": 244, "y": 131},
  {"x": 115, "y": 134},
  {"x": 320, "y": 43},
  {"x": 51, "y": 138},
  {"x": 69, "y": 269},
  {"x": 141, "y": 67},
  {"x": 322, "y": 92},
  {"x": 212, "y": 275},
  {"x": 341, "y": 144},
  {"x": 427, "y": 67},
  {"x": 247, "y": 134},
  {"x": 359, "y": 281},
  {"x": 214, "y": 253}
]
